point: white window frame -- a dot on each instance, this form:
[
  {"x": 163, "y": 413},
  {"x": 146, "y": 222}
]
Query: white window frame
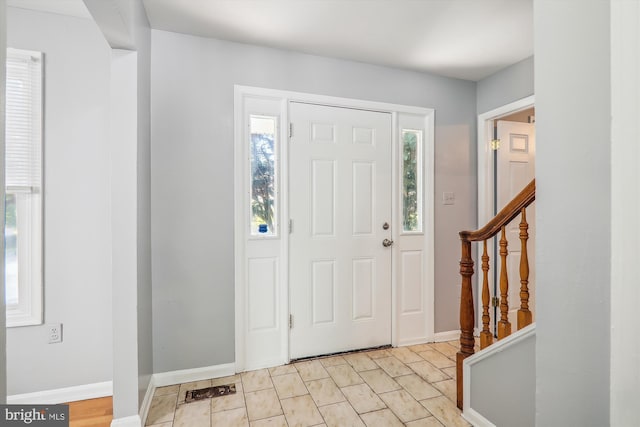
[{"x": 29, "y": 212}]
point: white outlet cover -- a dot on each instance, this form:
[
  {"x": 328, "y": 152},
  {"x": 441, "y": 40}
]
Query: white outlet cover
[{"x": 54, "y": 333}]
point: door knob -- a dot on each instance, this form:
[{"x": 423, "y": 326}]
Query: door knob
[{"x": 386, "y": 243}]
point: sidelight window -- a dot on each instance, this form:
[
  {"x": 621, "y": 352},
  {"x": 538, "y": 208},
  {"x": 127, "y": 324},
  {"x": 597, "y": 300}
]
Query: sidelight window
[
  {"x": 411, "y": 180},
  {"x": 264, "y": 182}
]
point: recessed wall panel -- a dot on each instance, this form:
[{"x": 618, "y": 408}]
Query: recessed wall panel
[
  {"x": 323, "y": 291},
  {"x": 262, "y": 285},
  {"x": 519, "y": 143},
  {"x": 323, "y": 133},
  {"x": 363, "y": 288},
  {"x": 363, "y": 198},
  {"x": 363, "y": 136},
  {"x": 323, "y": 198},
  {"x": 411, "y": 281}
]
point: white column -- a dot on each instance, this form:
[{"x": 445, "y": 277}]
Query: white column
[
  {"x": 124, "y": 148},
  {"x": 573, "y": 206},
  {"x": 625, "y": 211}
]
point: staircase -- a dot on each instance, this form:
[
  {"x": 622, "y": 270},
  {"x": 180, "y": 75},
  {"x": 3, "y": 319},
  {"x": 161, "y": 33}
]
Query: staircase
[{"x": 516, "y": 208}]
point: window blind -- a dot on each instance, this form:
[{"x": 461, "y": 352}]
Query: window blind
[{"x": 23, "y": 151}]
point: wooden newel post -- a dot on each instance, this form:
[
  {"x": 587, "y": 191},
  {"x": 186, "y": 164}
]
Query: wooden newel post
[{"x": 467, "y": 314}]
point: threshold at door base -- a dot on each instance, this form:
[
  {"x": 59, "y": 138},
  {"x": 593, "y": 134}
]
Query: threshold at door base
[{"x": 339, "y": 353}]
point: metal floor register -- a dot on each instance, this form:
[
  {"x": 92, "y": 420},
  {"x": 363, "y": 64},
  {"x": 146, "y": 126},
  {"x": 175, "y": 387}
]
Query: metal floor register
[{"x": 209, "y": 392}]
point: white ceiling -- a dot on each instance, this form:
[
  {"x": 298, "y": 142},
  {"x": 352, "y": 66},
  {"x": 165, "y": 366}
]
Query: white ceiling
[
  {"x": 61, "y": 7},
  {"x": 467, "y": 39}
]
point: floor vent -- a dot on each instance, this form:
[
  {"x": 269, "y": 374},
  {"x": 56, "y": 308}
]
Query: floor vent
[{"x": 209, "y": 392}]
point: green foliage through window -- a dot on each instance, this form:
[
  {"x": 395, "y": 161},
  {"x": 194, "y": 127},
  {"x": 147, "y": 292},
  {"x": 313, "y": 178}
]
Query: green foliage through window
[
  {"x": 263, "y": 175},
  {"x": 11, "y": 250},
  {"x": 411, "y": 141}
]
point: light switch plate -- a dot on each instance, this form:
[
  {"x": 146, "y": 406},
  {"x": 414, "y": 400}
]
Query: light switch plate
[{"x": 448, "y": 198}]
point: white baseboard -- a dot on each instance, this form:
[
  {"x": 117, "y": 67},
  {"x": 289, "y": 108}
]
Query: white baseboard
[
  {"x": 146, "y": 402},
  {"x": 262, "y": 364},
  {"x": 447, "y": 336},
  {"x": 178, "y": 377},
  {"x": 415, "y": 341},
  {"x": 197, "y": 374},
  {"x": 63, "y": 395},
  {"x": 475, "y": 419},
  {"x": 132, "y": 421}
]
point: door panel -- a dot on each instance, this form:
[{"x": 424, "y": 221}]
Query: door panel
[
  {"x": 515, "y": 169},
  {"x": 339, "y": 197}
]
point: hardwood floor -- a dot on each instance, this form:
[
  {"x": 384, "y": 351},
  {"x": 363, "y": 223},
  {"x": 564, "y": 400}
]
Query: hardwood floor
[{"x": 91, "y": 413}]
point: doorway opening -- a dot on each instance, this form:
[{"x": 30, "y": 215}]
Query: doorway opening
[{"x": 506, "y": 164}]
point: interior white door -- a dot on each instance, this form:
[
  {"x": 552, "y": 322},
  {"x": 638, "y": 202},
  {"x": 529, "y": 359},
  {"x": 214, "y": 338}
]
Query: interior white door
[
  {"x": 340, "y": 198},
  {"x": 515, "y": 169}
]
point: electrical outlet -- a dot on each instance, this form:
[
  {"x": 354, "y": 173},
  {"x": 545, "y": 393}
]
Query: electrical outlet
[{"x": 54, "y": 333}]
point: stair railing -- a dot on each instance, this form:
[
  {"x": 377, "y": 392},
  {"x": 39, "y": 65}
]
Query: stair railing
[{"x": 498, "y": 224}]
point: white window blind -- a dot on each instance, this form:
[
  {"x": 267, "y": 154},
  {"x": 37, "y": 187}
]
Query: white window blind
[
  {"x": 23, "y": 180},
  {"x": 24, "y": 120}
]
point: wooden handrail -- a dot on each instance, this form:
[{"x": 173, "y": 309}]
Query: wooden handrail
[
  {"x": 498, "y": 224},
  {"x": 504, "y": 217}
]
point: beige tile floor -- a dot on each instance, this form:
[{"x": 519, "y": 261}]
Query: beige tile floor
[{"x": 410, "y": 386}]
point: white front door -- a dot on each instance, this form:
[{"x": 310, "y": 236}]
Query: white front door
[
  {"x": 340, "y": 200},
  {"x": 515, "y": 169}
]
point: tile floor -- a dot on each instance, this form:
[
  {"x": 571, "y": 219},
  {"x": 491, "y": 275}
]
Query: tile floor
[{"x": 410, "y": 386}]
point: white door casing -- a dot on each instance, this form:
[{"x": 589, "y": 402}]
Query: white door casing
[
  {"x": 486, "y": 185},
  {"x": 515, "y": 169},
  {"x": 262, "y": 261},
  {"x": 340, "y": 197}
]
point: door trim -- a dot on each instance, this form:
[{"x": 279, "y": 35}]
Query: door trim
[
  {"x": 486, "y": 196},
  {"x": 280, "y": 352}
]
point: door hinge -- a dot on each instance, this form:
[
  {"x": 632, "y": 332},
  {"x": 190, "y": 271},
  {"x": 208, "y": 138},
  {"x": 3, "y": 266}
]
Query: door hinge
[
  {"x": 495, "y": 301},
  {"x": 290, "y": 130},
  {"x": 290, "y": 321},
  {"x": 290, "y": 226},
  {"x": 495, "y": 144}
]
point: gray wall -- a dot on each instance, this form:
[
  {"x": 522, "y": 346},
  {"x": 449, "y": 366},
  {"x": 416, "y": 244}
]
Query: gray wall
[
  {"x": 192, "y": 177},
  {"x": 503, "y": 389},
  {"x": 572, "y": 80},
  {"x": 77, "y": 230},
  {"x": 3, "y": 330},
  {"x": 505, "y": 86}
]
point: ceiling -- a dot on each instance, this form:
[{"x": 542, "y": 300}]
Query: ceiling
[
  {"x": 466, "y": 39},
  {"x": 61, "y": 7}
]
